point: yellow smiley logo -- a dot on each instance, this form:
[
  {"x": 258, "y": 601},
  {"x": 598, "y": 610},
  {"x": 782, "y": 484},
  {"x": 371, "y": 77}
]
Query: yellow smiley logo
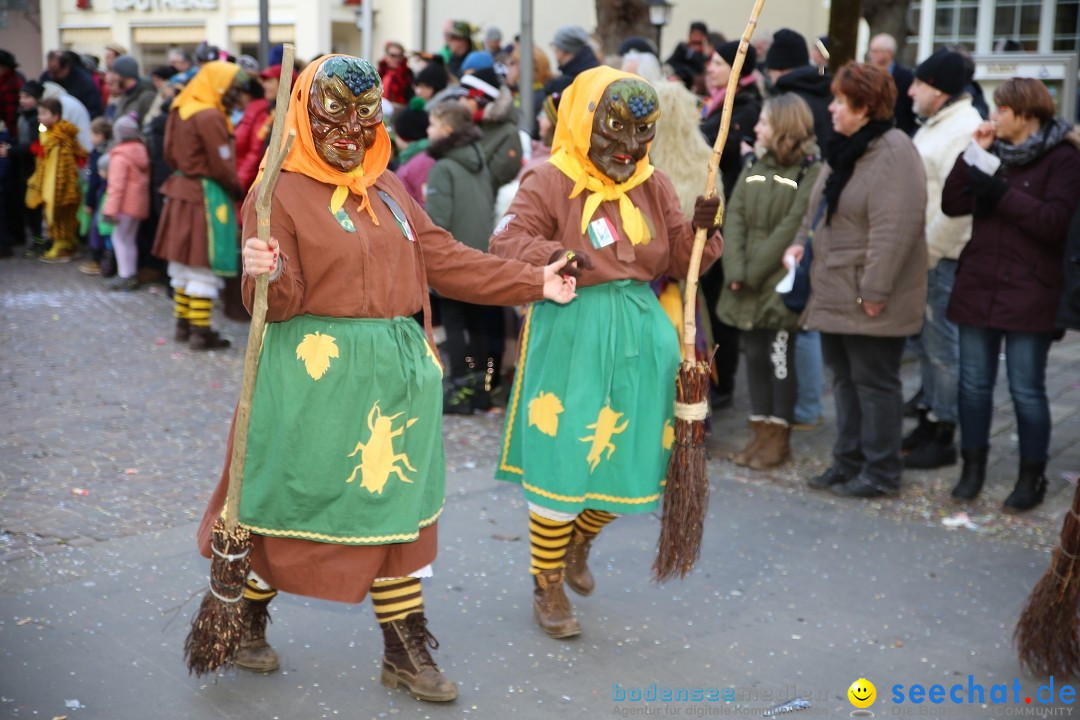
[{"x": 862, "y": 693}]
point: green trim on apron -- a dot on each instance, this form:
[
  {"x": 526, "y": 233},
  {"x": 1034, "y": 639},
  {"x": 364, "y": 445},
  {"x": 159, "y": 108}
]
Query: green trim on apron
[
  {"x": 221, "y": 229},
  {"x": 345, "y": 443},
  {"x": 590, "y": 422}
]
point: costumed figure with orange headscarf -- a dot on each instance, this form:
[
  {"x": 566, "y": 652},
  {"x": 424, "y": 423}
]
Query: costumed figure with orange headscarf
[
  {"x": 589, "y": 427},
  {"x": 345, "y": 467},
  {"x": 197, "y": 230}
]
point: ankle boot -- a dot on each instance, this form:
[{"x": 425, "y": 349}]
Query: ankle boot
[
  {"x": 934, "y": 452},
  {"x": 775, "y": 447},
  {"x": 923, "y": 432},
  {"x": 973, "y": 474},
  {"x": 744, "y": 456},
  {"x": 406, "y": 660},
  {"x": 578, "y": 575},
  {"x": 203, "y": 338},
  {"x": 551, "y": 608},
  {"x": 183, "y": 330},
  {"x": 255, "y": 653},
  {"x": 1030, "y": 487}
]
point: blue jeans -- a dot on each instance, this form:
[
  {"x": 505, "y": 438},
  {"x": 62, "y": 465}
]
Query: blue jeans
[
  {"x": 809, "y": 377},
  {"x": 1025, "y": 362},
  {"x": 938, "y": 346}
]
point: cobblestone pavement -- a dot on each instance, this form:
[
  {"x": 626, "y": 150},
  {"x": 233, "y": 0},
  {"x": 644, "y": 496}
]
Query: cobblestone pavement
[{"x": 111, "y": 429}]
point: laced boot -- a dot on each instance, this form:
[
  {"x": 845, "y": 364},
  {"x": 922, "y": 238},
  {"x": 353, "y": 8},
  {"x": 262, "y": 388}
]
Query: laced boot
[
  {"x": 551, "y": 608},
  {"x": 578, "y": 576},
  {"x": 183, "y": 330},
  {"x": 775, "y": 446},
  {"x": 255, "y": 653},
  {"x": 744, "y": 456},
  {"x": 406, "y": 660},
  {"x": 203, "y": 338},
  {"x": 1030, "y": 487}
]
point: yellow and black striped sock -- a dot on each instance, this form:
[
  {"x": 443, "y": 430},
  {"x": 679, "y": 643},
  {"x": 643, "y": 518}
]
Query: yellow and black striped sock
[
  {"x": 252, "y": 591},
  {"x": 395, "y": 598},
  {"x": 199, "y": 311},
  {"x": 592, "y": 521},
  {"x": 548, "y": 540},
  {"x": 182, "y": 311}
]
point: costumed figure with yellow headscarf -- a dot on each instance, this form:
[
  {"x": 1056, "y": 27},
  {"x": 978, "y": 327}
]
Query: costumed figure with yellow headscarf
[
  {"x": 197, "y": 230},
  {"x": 345, "y": 468},
  {"x": 589, "y": 426}
]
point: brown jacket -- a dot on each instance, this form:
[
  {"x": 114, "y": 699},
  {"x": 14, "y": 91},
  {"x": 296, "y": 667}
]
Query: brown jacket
[
  {"x": 541, "y": 221},
  {"x": 875, "y": 247}
]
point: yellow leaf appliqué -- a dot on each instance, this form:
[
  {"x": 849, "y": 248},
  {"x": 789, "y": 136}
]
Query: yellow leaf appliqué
[
  {"x": 544, "y": 412},
  {"x": 316, "y": 351},
  {"x": 222, "y": 214},
  {"x": 669, "y": 435}
]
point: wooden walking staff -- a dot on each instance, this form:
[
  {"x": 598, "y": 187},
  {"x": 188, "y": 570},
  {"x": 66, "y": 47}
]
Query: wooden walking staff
[
  {"x": 217, "y": 629},
  {"x": 686, "y": 497}
]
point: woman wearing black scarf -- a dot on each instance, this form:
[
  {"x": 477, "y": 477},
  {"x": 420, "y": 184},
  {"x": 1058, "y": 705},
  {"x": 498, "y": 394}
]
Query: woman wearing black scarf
[{"x": 866, "y": 219}]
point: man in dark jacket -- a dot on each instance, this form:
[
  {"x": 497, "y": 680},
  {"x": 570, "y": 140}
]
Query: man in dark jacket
[
  {"x": 789, "y": 68},
  {"x": 883, "y": 54},
  {"x": 573, "y": 51},
  {"x": 65, "y": 69}
]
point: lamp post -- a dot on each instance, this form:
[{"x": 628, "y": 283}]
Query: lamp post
[{"x": 659, "y": 16}]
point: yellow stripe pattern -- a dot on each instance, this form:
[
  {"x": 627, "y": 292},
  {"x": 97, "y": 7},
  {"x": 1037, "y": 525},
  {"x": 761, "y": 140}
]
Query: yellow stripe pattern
[
  {"x": 396, "y": 598},
  {"x": 591, "y": 521},
  {"x": 253, "y": 592},
  {"x": 548, "y": 540},
  {"x": 182, "y": 302},
  {"x": 199, "y": 311}
]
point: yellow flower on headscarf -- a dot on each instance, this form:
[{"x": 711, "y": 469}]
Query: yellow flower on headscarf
[
  {"x": 570, "y": 152},
  {"x": 206, "y": 90}
]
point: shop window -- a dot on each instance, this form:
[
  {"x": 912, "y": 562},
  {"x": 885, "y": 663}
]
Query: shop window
[
  {"x": 1067, "y": 26},
  {"x": 1019, "y": 20}
]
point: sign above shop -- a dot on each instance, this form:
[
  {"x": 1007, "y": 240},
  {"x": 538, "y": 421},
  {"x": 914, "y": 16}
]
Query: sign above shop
[{"x": 155, "y": 5}]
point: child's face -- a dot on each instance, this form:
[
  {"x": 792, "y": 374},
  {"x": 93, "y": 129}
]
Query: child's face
[
  {"x": 96, "y": 138},
  {"x": 27, "y": 101},
  {"x": 437, "y": 129},
  {"x": 45, "y": 117}
]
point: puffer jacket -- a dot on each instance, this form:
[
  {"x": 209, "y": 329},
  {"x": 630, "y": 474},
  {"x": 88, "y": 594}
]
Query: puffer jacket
[
  {"x": 459, "y": 196},
  {"x": 129, "y": 181}
]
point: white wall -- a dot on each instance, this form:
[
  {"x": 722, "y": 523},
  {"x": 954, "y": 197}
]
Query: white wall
[{"x": 22, "y": 39}]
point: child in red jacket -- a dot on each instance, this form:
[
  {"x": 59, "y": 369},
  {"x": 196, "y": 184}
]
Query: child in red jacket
[{"x": 127, "y": 201}]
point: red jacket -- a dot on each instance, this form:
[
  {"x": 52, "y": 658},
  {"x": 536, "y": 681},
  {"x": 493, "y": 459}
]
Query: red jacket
[
  {"x": 249, "y": 145},
  {"x": 397, "y": 82}
]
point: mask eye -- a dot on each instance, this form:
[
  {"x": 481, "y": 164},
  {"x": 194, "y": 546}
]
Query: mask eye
[
  {"x": 645, "y": 128},
  {"x": 614, "y": 125},
  {"x": 332, "y": 106},
  {"x": 365, "y": 111}
]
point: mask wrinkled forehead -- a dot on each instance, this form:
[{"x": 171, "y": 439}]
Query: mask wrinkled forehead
[
  {"x": 638, "y": 96},
  {"x": 356, "y": 73}
]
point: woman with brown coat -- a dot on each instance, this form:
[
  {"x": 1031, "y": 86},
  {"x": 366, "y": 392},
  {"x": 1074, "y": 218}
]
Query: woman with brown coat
[{"x": 868, "y": 277}]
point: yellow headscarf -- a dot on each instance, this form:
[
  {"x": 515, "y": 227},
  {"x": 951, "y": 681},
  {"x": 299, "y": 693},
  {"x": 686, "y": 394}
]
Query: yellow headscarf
[
  {"x": 570, "y": 152},
  {"x": 305, "y": 159},
  {"x": 206, "y": 90}
]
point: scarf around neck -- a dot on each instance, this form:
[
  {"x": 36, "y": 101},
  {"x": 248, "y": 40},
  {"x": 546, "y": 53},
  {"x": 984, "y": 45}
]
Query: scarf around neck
[
  {"x": 1035, "y": 146},
  {"x": 844, "y": 151}
]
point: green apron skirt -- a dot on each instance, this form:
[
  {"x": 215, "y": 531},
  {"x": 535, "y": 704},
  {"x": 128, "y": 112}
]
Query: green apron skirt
[
  {"x": 590, "y": 421},
  {"x": 345, "y": 443}
]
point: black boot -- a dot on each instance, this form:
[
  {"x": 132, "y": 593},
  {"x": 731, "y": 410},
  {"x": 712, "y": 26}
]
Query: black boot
[
  {"x": 1030, "y": 487},
  {"x": 923, "y": 432},
  {"x": 938, "y": 451},
  {"x": 972, "y": 476}
]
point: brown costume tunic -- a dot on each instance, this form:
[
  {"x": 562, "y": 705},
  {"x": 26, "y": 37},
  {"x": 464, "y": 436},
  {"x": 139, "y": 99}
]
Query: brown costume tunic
[
  {"x": 374, "y": 272},
  {"x": 199, "y": 147}
]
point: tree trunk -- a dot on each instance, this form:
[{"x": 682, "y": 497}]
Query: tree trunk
[
  {"x": 617, "y": 20},
  {"x": 843, "y": 31},
  {"x": 891, "y": 16}
]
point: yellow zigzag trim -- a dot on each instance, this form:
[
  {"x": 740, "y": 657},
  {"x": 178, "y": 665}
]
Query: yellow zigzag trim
[
  {"x": 589, "y": 496},
  {"x": 341, "y": 540}
]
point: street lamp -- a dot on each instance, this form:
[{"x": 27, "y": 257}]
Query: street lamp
[{"x": 659, "y": 16}]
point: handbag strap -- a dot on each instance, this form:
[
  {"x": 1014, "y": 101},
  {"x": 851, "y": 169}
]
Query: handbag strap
[{"x": 817, "y": 221}]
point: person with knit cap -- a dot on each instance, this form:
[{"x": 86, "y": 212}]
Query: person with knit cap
[
  {"x": 411, "y": 139},
  {"x": 459, "y": 43},
  {"x": 788, "y": 67},
  {"x": 127, "y": 200},
  {"x": 947, "y": 121},
  {"x": 136, "y": 94},
  {"x": 492, "y": 107},
  {"x": 574, "y": 54},
  {"x": 197, "y": 230},
  {"x": 589, "y": 430},
  {"x": 345, "y": 469}
]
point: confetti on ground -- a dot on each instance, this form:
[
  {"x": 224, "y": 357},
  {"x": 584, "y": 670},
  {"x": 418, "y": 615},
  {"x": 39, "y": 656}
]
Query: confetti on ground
[
  {"x": 80, "y": 491},
  {"x": 131, "y": 471},
  {"x": 960, "y": 519}
]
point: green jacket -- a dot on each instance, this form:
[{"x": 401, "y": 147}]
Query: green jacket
[
  {"x": 762, "y": 219},
  {"x": 459, "y": 195}
]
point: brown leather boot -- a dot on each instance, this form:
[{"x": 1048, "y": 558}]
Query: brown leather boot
[
  {"x": 406, "y": 660},
  {"x": 203, "y": 338},
  {"x": 744, "y": 456},
  {"x": 255, "y": 653},
  {"x": 578, "y": 576},
  {"x": 183, "y": 330},
  {"x": 551, "y": 608},
  {"x": 775, "y": 447}
]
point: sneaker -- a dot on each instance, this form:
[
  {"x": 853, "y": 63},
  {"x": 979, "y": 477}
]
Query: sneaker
[
  {"x": 90, "y": 268},
  {"x": 124, "y": 284}
]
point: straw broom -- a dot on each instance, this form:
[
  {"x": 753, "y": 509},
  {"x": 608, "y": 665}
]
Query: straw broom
[
  {"x": 217, "y": 628},
  {"x": 686, "y": 497},
  {"x": 1046, "y": 634}
]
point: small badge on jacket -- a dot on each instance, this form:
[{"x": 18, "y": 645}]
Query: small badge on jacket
[
  {"x": 399, "y": 215},
  {"x": 602, "y": 233}
]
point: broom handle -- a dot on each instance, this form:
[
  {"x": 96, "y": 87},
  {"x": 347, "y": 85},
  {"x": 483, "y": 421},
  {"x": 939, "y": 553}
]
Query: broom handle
[
  {"x": 701, "y": 234},
  {"x": 275, "y": 157}
]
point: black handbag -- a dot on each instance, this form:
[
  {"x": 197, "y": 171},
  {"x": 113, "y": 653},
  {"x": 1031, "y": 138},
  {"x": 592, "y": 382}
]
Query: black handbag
[{"x": 796, "y": 299}]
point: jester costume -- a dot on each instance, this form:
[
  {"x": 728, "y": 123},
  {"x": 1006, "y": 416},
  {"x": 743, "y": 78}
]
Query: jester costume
[{"x": 589, "y": 425}]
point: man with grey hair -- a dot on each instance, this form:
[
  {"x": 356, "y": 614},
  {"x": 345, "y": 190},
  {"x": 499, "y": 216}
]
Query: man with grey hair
[{"x": 883, "y": 54}]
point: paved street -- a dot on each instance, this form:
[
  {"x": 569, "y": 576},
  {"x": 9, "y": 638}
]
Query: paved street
[{"x": 113, "y": 436}]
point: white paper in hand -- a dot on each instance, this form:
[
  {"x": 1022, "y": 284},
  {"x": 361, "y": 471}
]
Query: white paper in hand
[
  {"x": 787, "y": 282},
  {"x": 976, "y": 157}
]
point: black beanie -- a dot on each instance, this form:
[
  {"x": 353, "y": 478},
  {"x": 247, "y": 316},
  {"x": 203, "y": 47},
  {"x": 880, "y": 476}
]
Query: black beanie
[
  {"x": 788, "y": 50},
  {"x": 729, "y": 50},
  {"x": 944, "y": 71},
  {"x": 433, "y": 75},
  {"x": 33, "y": 88},
  {"x": 411, "y": 123}
]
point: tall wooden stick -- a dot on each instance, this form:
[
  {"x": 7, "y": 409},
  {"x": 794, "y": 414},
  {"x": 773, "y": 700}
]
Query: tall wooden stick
[
  {"x": 275, "y": 157},
  {"x": 689, "y": 334}
]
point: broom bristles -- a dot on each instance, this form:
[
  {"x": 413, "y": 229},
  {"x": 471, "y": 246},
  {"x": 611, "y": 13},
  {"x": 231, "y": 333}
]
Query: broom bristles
[
  {"x": 686, "y": 497},
  {"x": 216, "y": 629}
]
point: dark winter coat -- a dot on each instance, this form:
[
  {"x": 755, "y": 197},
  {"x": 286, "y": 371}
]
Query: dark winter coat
[
  {"x": 584, "y": 59},
  {"x": 814, "y": 88},
  {"x": 80, "y": 85},
  {"x": 745, "y": 110},
  {"x": 1069, "y": 312},
  {"x": 459, "y": 195},
  {"x": 136, "y": 101},
  {"x": 1010, "y": 274},
  {"x": 904, "y": 111}
]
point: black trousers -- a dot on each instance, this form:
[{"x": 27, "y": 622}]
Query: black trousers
[
  {"x": 770, "y": 372},
  {"x": 869, "y": 405},
  {"x": 473, "y": 332},
  {"x": 725, "y": 336}
]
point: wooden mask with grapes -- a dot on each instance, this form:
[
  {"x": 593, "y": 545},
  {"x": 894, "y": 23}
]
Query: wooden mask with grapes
[
  {"x": 623, "y": 126},
  {"x": 345, "y": 108}
]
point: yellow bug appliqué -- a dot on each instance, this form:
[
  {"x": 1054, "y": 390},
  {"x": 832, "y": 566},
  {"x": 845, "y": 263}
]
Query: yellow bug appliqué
[
  {"x": 605, "y": 427},
  {"x": 378, "y": 460}
]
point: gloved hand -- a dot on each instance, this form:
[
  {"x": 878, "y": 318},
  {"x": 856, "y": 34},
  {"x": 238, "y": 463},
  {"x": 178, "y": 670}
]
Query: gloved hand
[
  {"x": 706, "y": 213},
  {"x": 578, "y": 262},
  {"x": 987, "y": 189}
]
